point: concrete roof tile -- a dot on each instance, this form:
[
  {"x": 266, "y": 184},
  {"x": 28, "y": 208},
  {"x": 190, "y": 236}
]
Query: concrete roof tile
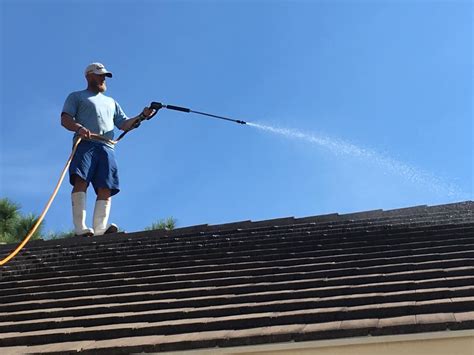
[
  {"x": 435, "y": 318},
  {"x": 286, "y": 279}
]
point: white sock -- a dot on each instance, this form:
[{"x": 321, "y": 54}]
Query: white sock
[
  {"x": 101, "y": 216},
  {"x": 79, "y": 213}
]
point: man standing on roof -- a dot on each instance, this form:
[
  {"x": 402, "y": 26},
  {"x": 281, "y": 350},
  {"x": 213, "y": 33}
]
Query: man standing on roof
[{"x": 89, "y": 113}]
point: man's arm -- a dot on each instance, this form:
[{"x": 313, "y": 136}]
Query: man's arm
[
  {"x": 68, "y": 122},
  {"x": 128, "y": 124}
]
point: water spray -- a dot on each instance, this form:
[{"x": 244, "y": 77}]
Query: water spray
[{"x": 340, "y": 147}]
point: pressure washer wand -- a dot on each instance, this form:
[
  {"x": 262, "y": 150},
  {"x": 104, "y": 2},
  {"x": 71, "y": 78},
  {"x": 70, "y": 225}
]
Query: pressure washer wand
[
  {"x": 158, "y": 105},
  {"x": 184, "y": 109}
]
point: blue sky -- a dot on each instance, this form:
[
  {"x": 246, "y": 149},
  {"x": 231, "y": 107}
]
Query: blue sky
[{"x": 392, "y": 77}]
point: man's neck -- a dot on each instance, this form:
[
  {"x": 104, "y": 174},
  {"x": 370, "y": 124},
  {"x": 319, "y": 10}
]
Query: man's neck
[{"x": 93, "y": 89}]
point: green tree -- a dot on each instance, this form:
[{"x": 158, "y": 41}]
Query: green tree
[
  {"x": 166, "y": 224},
  {"x": 9, "y": 216},
  {"x": 13, "y": 225}
]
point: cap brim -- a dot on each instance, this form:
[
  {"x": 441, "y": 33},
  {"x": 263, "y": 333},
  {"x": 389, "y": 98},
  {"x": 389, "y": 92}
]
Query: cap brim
[{"x": 107, "y": 73}]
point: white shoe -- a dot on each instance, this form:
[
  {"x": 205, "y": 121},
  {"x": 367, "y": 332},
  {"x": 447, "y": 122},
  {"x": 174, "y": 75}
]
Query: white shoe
[
  {"x": 101, "y": 217},
  {"x": 79, "y": 215},
  {"x": 88, "y": 232},
  {"x": 111, "y": 228}
]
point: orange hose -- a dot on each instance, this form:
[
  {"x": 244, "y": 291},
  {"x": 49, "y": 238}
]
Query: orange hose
[{"x": 43, "y": 214}]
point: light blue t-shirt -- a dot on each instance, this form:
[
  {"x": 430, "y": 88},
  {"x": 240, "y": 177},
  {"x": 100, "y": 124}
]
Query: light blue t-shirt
[{"x": 96, "y": 112}]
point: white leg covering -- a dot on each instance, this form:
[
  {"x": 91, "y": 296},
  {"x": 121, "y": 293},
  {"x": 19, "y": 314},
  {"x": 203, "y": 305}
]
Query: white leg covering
[
  {"x": 101, "y": 217},
  {"x": 79, "y": 214}
]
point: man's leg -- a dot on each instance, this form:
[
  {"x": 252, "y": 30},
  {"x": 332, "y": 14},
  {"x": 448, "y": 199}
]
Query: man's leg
[
  {"x": 78, "y": 198},
  {"x": 102, "y": 213},
  {"x": 103, "y": 194},
  {"x": 80, "y": 185},
  {"x": 106, "y": 184}
]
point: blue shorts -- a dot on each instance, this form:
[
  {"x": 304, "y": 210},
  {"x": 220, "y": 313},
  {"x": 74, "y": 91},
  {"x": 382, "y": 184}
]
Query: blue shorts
[{"x": 95, "y": 163}]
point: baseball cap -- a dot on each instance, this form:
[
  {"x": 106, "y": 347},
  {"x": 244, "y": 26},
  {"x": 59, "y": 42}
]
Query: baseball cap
[{"x": 97, "y": 68}]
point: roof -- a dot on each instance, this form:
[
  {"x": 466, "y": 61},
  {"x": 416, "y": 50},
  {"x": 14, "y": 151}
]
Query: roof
[{"x": 291, "y": 279}]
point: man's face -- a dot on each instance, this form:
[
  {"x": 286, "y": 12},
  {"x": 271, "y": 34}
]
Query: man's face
[{"x": 97, "y": 81}]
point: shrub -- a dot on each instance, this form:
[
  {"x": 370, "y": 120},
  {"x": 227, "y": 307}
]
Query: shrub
[{"x": 166, "y": 224}]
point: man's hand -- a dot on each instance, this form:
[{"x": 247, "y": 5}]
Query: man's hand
[
  {"x": 84, "y": 133},
  {"x": 147, "y": 112},
  {"x": 70, "y": 124}
]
